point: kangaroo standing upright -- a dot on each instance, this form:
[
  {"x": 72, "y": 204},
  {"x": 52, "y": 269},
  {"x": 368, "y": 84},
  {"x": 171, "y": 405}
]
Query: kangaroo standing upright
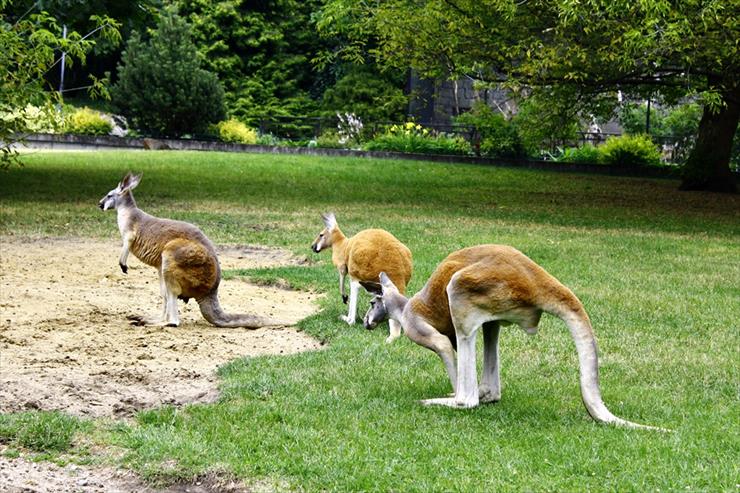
[
  {"x": 184, "y": 257},
  {"x": 483, "y": 287},
  {"x": 364, "y": 256}
]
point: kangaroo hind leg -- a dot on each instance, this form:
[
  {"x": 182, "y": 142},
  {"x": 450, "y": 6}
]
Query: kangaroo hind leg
[{"x": 490, "y": 384}]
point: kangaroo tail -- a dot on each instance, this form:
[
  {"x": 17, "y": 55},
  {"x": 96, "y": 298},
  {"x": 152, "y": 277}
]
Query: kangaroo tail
[
  {"x": 212, "y": 311},
  {"x": 583, "y": 336}
]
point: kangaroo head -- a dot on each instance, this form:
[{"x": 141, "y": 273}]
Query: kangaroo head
[
  {"x": 325, "y": 237},
  {"x": 386, "y": 299},
  {"x": 116, "y": 197}
]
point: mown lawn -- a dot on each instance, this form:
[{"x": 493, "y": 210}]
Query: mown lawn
[{"x": 658, "y": 271}]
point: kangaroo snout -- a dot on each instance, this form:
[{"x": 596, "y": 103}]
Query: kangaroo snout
[{"x": 368, "y": 324}]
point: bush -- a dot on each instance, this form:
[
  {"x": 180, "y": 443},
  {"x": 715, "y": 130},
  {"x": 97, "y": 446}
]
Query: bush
[
  {"x": 268, "y": 140},
  {"x": 330, "y": 139},
  {"x": 88, "y": 122},
  {"x": 630, "y": 150},
  {"x": 412, "y": 137},
  {"x": 161, "y": 88},
  {"x": 544, "y": 120},
  {"x": 588, "y": 154},
  {"x": 499, "y": 138},
  {"x": 37, "y": 119},
  {"x": 366, "y": 94},
  {"x": 233, "y": 130}
]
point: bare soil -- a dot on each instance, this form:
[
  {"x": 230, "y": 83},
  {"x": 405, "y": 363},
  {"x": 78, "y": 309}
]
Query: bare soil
[{"x": 65, "y": 342}]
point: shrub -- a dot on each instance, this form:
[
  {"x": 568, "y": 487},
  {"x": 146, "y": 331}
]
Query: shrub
[
  {"x": 499, "y": 138},
  {"x": 412, "y": 137},
  {"x": 330, "y": 139},
  {"x": 588, "y": 154},
  {"x": 544, "y": 120},
  {"x": 161, "y": 88},
  {"x": 37, "y": 119},
  {"x": 233, "y": 130},
  {"x": 367, "y": 94},
  {"x": 630, "y": 150},
  {"x": 88, "y": 122},
  {"x": 268, "y": 140}
]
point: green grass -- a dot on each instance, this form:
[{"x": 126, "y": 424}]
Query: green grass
[
  {"x": 657, "y": 270},
  {"x": 40, "y": 431}
]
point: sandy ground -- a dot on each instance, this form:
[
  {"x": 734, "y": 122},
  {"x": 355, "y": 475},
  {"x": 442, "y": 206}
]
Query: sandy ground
[
  {"x": 21, "y": 476},
  {"x": 65, "y": 343}
]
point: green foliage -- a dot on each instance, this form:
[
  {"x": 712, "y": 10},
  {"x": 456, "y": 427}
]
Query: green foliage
[
  {"x": 232, "y": 130},
  {"x": 589, "y": 48},
  {"x": 161, "y": 87},
  {"x": 499, "y": 137},
  {"x": 546, "y": 119},
  {"x": 412, "y": 137},
  {"x": 261, "y": 52},
  {"x": 330, "y": 139},
  {"x": 39, "y": 431},
  {"x": 366, "y": 94},
  {"x": 27, "y": 52},
  {"x": 586, "y": 154},
  {"x": 87, "y": 122},
  {"x": 630, "y": 150},
  {"x": 37, "y": 119},
  {"x": 677, "y": 125},
  {"x": 268, "y": 139}
]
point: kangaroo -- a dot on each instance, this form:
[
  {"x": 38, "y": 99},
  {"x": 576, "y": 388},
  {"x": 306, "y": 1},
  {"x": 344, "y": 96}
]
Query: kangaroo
[
  {"x": 487, "y": 286},
  {"x": 184, "y": 257},
  {"x": 363, "y": 257}
]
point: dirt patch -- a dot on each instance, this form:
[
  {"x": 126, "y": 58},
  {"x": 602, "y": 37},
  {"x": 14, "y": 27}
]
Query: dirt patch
[
  {"x": 65, "y": 343},
  {"x": 24, "y": 476}
]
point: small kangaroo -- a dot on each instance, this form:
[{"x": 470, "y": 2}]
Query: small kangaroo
[
  {"x": 184, "y": 257},
  {"x": 484, "y": 287},
  {"x": 364, "y": 256}
]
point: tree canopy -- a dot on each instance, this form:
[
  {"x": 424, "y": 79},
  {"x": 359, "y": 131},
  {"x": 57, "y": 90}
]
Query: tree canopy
[
  {"x": 29, "y": 47},
  {"x": 589, "y": 49}
]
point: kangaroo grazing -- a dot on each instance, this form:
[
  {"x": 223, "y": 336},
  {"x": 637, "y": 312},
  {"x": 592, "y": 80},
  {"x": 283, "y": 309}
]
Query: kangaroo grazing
[
  {"x": 364, "y": 256},
  {"x": 184, "y": 257},
  {"x": 484, "y": 287}
]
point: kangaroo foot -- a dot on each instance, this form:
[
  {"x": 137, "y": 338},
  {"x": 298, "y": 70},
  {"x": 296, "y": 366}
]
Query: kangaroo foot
[
  {"x": 348, "y": 319},
  {"x": 139, "y": 321},
  {"x": 487, "y": 396},
  {"x": 448, "y": 402}
]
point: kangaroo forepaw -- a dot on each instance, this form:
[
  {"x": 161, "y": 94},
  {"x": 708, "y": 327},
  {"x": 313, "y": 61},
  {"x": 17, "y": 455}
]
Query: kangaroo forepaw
[
  {"x": 345, "y": 299},
  {"x": 124, "y": 268},
  {"x": 392, "y": 338},
  {"x": 136, "y": 320}
]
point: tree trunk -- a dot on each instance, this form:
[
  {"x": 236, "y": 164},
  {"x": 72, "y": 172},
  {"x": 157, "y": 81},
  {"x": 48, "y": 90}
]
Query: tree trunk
[{"x": 708, "y": 165}]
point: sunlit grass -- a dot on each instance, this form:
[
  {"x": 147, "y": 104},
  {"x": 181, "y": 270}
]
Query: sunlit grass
[{"x": 657, "y": 270}]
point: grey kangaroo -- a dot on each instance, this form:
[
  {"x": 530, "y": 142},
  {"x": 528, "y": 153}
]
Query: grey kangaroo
[{"x": 183, "y": 256}]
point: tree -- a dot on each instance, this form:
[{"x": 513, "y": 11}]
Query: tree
[
  {"x": 29, "y": 44},
  {"x": 79, "y": 15},
  {"x": 161, "y": 86},
  {"x": 261, "y": 52},
  {"x": 592, "y": 48}
]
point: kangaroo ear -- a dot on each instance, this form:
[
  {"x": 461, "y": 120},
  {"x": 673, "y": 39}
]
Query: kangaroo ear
[
  {"x": 330, "y": 221},
  {"x": 129, "y": 182},
  {"x": 134, "y": 181},
  {"x": 124, "y": 181},
  {"x": 371, "y": 287},
  {"x": 386, "y": 283}
]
